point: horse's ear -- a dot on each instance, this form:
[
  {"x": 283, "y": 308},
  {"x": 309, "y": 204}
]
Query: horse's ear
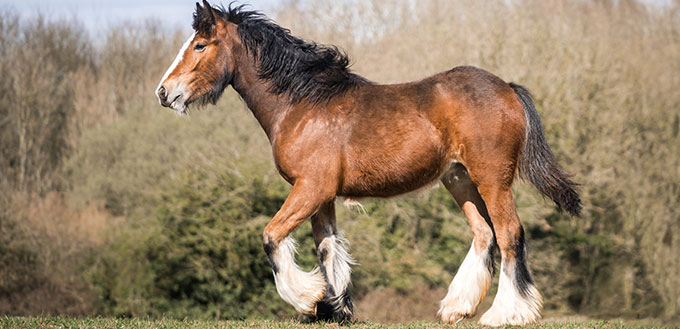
[
  {"x": 204, "y": 18},
  {"x": 209, "y": 12}
]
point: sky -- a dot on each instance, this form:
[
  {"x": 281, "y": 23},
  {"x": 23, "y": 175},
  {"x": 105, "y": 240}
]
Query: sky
[{"x": 99, "y": 14}]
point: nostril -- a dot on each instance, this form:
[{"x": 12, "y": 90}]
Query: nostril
[{"x": 162, "y": 93}]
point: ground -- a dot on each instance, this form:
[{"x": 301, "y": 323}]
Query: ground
[{"x": 117, "y": 323}]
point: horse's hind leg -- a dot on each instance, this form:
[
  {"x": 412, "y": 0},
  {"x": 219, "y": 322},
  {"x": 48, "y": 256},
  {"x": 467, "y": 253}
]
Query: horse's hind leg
[
  {"x": 335, "y": 261},
  {"x": 517, "y": 301},
  {"x": 475, "y": 274}
]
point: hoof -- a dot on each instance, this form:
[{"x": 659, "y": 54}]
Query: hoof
[
  {"x": 454, "y": 310},
  {"x": 515, "y": 311},
  {"x": 328, "y": 312},
  {"x": 450, "y": 316},
  {"x": 324, "y": 311},
  {"x": 495, "y": 318}
]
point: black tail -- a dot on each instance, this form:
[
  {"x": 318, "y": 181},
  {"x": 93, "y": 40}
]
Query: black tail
[{"x": 538, "y": 163}]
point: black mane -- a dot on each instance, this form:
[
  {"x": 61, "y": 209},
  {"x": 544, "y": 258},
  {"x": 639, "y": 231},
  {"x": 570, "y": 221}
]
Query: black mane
[{"x": 301, "y": 70}]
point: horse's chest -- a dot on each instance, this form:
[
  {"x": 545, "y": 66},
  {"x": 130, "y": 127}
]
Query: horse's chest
[{"x": 316, "y": 158}]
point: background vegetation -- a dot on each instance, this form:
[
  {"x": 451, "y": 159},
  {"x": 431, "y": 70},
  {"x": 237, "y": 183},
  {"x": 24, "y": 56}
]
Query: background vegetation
[{"x": 111, "y": 205}]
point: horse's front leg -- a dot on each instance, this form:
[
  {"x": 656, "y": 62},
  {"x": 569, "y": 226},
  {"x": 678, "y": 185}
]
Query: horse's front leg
[
  {"x": 299, "y": 288},
  {"x": 333, "y": 252}
]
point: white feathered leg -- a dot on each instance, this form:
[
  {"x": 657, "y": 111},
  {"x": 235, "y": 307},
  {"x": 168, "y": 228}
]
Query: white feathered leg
[
  {"x": 517, "y": 301},
  {"x": 297, "y": 287},
  {"x": 469, "y": 286},
  {"x": 336, "y": 265},
  {"x": 332, "y": 248},
  {"x": 512, "y": 306}
]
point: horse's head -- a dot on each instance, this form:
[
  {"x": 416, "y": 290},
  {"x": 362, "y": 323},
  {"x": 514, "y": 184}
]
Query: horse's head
[{"x": 204, "y": 66}]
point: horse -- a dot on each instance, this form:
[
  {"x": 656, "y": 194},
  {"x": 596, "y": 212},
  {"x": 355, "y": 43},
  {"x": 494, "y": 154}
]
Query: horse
[{"x": 335, "y": 134}]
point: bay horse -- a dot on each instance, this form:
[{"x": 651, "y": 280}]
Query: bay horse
[{"x": 336, "y": 134}]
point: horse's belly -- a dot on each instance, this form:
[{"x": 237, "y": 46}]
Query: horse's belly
[{"x": 384, "y": 174}]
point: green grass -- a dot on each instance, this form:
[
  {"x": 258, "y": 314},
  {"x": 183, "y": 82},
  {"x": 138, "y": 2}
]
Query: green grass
[{"x": 103, "y": 323}]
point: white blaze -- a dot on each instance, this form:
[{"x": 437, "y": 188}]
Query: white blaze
[{"x": 178, "y": 59}]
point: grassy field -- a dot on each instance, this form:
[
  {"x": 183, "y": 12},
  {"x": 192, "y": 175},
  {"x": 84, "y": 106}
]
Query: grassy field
[{"x": 64, "y": 322}]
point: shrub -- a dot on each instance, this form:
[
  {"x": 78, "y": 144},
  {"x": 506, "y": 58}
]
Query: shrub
[{"x": 201, "y": 256}]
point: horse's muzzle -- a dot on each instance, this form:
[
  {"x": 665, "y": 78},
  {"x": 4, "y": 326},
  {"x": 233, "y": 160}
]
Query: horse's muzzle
[
  {"x": 162, "y": 94},
  {"x": 169, "y": 99}
]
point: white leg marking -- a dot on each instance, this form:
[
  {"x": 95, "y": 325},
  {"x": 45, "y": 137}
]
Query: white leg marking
[
  {"x": 468, "y": 287},
  {"x": 297, "y": 287},
  {"x": 337, "y": 264},
  {"x": 178, "y": 59},
  {"x": 509, "y": 306}
]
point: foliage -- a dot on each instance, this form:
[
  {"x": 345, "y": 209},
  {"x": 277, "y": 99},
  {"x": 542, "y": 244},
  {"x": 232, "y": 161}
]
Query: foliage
[
  {"x": 42, "y": 244},
  {"x": 202, "y": 256},
  {"x": 37, "y": 58}
]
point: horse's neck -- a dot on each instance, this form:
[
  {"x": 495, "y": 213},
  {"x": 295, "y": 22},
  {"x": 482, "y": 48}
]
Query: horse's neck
[{"x": 267, "y": 107}]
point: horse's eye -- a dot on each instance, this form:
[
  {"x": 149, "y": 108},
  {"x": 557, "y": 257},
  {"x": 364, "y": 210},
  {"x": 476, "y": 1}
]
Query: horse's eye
[{"x": 199, "y": 47}]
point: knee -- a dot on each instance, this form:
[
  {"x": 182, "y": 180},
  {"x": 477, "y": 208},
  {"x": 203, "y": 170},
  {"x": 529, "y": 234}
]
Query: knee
[
  {"x": 269, "y": 247},
  {"x": 273, "y": 235},
  {"x": 268, "y": 244},
  {"x": 268, "y": 240},
  {"x": 325, "y": 245},
  {"x": 322, "y": 253}
]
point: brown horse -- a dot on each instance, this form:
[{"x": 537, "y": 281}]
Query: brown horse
[{"x": 336, "y": 134}]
